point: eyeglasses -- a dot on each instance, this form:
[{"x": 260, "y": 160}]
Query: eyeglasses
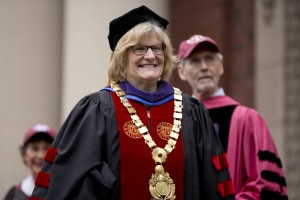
[{"x": 140, "y": 49}]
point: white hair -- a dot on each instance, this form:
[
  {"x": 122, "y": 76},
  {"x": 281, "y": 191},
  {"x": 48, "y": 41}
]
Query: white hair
[{"x": 220, "y": 56}]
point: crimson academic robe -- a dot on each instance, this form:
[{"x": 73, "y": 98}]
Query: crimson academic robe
[
  {"x": 84, "y": 162},
  {"x": 254, "y": 163}
]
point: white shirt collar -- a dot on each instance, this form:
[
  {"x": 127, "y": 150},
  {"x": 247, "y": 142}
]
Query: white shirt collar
[
  {"x": 219, "y": 92},
  {"x": 27, "y": 185}
]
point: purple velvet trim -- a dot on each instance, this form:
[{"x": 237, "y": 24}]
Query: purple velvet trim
[{"x": 164, "y": 90}]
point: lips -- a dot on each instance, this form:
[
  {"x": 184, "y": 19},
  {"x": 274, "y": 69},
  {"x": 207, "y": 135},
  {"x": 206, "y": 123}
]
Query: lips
[
  {"x": 38, "y": 162},
  {"x": 205, "y": 77}
]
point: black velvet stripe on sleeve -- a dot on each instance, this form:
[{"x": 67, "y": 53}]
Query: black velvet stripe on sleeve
[
  {"x": 269, "y": 156},
  {"x": 273, "y": 177},
  {"x": 271, "y": 195}
]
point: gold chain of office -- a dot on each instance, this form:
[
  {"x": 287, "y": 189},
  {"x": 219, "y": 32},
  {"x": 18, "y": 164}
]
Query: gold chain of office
[{"x": 161, "y": 186}]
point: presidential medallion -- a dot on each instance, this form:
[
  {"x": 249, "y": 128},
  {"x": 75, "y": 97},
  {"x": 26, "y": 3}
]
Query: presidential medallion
[{"x": 161, "y": 186}]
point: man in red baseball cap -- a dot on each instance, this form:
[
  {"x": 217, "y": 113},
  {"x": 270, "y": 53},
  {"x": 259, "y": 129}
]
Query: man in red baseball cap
[
  {"x": 33, "y": 149},
  {"x": 254, "y": 163}
]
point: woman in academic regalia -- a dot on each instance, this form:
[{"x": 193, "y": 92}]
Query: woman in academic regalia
[
  {"x": 138, "y": 138},
  {"x": 34, "y": 147}
]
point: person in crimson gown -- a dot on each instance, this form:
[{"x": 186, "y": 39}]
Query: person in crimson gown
[
  {"x": 36, "y": 141},
  {"x": 254, "y": 163},
  {"x": 139, "y": 137}
]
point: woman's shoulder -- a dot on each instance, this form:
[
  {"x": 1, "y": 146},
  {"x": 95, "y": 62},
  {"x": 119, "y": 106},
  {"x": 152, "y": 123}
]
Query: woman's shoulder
[
  {"x": 92, "y": 104},
  {"x": 96, "y": 96},
  {"x": 101, "y": 96},
  {"x": 15, "y": 193}
]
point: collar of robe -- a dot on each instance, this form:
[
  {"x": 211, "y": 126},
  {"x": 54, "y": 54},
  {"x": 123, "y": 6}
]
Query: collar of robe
[{"x": 163, "y": 93}]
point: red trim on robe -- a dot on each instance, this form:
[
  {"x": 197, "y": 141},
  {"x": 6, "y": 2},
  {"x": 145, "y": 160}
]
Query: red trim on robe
[
  {"x": 42, "y": 179},
  {"x": 35, "y": 198},
  {"x": 226, "y": 188},
  {"x": 220, "y": 162},
  {"x": 51, "y": 155},
  {"x": 136, "y": 163}
]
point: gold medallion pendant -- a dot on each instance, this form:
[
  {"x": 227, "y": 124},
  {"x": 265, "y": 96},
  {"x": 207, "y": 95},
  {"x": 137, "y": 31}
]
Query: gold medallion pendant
[{"x": 161, "y": 186}]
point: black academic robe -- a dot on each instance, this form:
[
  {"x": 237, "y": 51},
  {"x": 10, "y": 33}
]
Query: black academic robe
[
  {"x": 15, "y": 193},
  {"x": 87, "y": 163}
]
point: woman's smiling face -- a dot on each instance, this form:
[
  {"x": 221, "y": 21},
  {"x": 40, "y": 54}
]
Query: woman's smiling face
[
  {"x": 144, "y": 71},
  {"x": 34, "y": 155}
]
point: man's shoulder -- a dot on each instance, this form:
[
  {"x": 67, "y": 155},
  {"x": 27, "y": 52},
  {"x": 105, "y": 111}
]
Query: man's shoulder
[
  {"x": 219, "y": 102},
  {"x": 247, "y": 112}
]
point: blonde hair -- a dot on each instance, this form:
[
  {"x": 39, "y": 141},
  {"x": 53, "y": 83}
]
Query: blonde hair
[{"x": 119, "y": 59}]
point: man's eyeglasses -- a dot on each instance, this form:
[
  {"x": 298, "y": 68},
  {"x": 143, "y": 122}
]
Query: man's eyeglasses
[{"x": 140, "y": 49}]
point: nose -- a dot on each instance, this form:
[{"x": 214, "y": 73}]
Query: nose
[
  {"x": 149, "y": 54},
  {"x": 203, "y": 65},
  {"x": 41, "y": 153}
]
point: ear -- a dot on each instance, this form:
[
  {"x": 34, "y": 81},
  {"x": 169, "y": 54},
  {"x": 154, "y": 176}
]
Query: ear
[
  {"x": 181, "y": 72},
  {"x": 24, "y": 158},
  {"x": 221, "y": 69}
]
